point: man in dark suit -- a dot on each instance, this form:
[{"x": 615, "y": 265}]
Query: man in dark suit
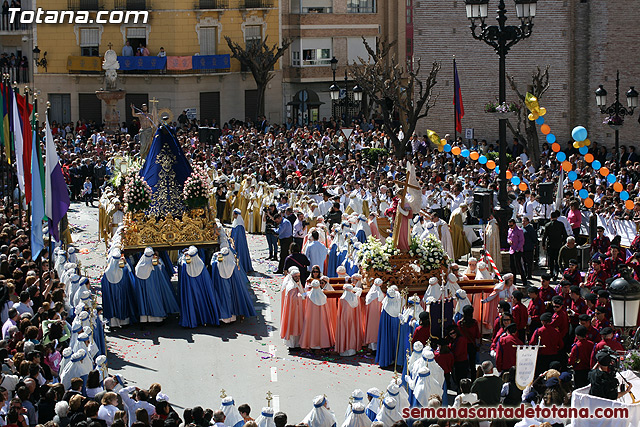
[
  {"x": 552, "y": 240},
  {"x": 488, "y": 386}
]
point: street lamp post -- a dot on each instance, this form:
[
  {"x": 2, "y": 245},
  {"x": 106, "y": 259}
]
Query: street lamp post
[
  {"x": 501, "y": 38},
  {"x": 345, "y": 103},
  {"x": 616, "y": 111}
]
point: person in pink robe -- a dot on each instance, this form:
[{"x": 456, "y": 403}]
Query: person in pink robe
[
  {"x": 371, "y": 314},
  {"x": 292, "y": 312},
  {"x": 404, "y": 216},
  {"x": 349, "y": 332},
  {"x": 316, "y": 328},
  {"x": 373, "y": 224}
]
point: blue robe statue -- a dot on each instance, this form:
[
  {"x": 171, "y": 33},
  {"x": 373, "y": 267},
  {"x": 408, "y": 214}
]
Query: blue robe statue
[
  {"x": 230, "y": 277},
  {"x": 198, "y": 305},
  {"x": 118, "y": 292},
  {"x": 155, "y": 295},
  {"x": 239, "y": 236},
  {"x": 388, "y": 328}
]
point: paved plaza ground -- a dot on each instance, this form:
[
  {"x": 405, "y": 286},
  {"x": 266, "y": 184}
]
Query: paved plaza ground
[{"x": 246, "y": 359}]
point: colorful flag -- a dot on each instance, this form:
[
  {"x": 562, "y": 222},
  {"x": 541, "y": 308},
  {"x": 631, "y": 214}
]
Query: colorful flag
[
  {"x": 18, "y": 142},
  {"x": 457, "y": 98},
  {"x": 57, "y": 193},
  {"x": 24, "y": 109},
  {"x": 37, "y": 201},
  {"x": 5, "y": 121}
]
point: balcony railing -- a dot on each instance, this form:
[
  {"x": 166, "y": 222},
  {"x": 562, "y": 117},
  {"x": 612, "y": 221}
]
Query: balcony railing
[
  {"x": 256, "y": 4},
  {"x": 212, "y": 4},
  {"x": 84, "y": 5},
  {"x": 132, "y": 4}
]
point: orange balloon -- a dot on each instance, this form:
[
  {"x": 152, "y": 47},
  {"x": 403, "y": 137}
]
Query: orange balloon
[
  {"x": 629, "y": 204},
  {"x": 617, "y": 186},
  {"x": 588, "y": 202},
  {"x": 588, "y": 157},
  {"x": 456, "y": 151},
  {"x": 491, "y": 164},
  {"x": 604, "y": 171},
  {"x": 545, "y": 129},
  {"x": 577, "y": 184},
  {"x": 555, "y": 147},
  {"x": 474, "y": 155},
  {"x": 522, "y": 186},
  {"x": 509, "y": 174},
  {"x": 566, "y": 166}
]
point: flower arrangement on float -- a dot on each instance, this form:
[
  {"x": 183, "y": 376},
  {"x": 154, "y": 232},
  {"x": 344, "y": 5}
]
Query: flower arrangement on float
[
  {"x": 196, "y": 189},
  {"x": 429, "y": 251},
  {"x": 137, "y": 194}
]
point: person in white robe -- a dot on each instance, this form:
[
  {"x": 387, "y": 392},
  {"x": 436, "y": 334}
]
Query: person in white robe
[
  {"x": 436, "y": 370},
  {"x": 418, "y": 228},
  {"x": 66, "y": 358},
  {"x": 393, "y": 391},
  {"x": 77, "y": 368},
  {"x": 433, "y": 290},
  {"x": 461, "y": 302},
  {"x": 101, "y": 366},
  {"x": 483, "y": 271},
  {"x": 61, "y": 260},
  {"x": 388, "y": 413},
  {"x": 357, "y": 417},
  {"x": 265, "y": 419},
  {"x": 320, "y": 415},
  {"x": 357, "y": 396},
  {"x": 373, "y": 407},
  {"x": 451, "y": 287},
  {"x": 472, "y": 269},
  {"x": 425, "y": 385},
  {"x": 503, "y": 290},
  {"x": 232, "y": 416},
  {"x": 73, "y": 255},
  {"x": 443, "y": 233},
  {"x": 403, "y": 396}
]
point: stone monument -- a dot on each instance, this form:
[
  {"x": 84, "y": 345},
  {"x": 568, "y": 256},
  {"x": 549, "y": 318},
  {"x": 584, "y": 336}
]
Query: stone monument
[{"x": 112, "y": 94}]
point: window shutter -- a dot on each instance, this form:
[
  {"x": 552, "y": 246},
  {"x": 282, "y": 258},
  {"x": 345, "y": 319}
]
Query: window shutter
[
  {"x": 89, "y": 37},
  {"x": 207, "y": 40}
]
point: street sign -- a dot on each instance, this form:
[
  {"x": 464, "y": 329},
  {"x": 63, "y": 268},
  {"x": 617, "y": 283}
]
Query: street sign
[
  {"x": 468, "y": 133},
  {"x": 347, "y": 132},
  {"x": 191, "y": 113}
]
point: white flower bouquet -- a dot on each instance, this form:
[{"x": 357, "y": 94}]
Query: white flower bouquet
[{"x": 430, "y": 252}]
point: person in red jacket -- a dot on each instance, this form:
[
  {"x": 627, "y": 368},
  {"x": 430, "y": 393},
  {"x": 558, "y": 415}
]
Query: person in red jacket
[
  {"x": 546, "y": 291},
  {"x": 423, "y": 331},
  {"x": 578, "y": 306},
  {"x": 592, "y": 333},
  {"x": 601, "y": 318},
  {"x": 458, "y": 346},
  {"x": 445, "y": 359},
  {"x": 506, "y": 350},
  {"x": 505, "y": 321},
  {"x": 580, "y": 357},
  {"x": 520, "y": 315},
  {"x": 503, "y": 307},
  {"x": 550, "y": 341},
  {"x": 560, "y": 319},
  {"x": 470, "y": 329},
  {"x": 607, "y": 340},
  {"x": 535, "y": 309}
]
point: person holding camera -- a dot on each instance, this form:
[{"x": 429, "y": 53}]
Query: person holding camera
[
  {"x": 299, "y": 229},
  {"x": 603, "y": 378},
  {"x": 270, "y": 226}
]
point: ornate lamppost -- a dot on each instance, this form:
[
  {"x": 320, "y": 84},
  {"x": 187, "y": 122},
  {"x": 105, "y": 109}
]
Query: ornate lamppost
[{"x": 345, "y": 104}]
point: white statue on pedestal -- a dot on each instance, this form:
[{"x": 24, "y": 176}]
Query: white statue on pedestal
[{"x": 110, "y": 65}]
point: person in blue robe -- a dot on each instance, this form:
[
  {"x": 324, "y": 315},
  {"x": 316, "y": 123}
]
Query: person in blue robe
[
  {"x": 387, "y": 347},
  {"x": 239, "y": 237},
  {"x": 167, "y": 264},
  {"x": 197, "y": 300},
  {"x": 362, "y": 229},
  {"x": 407, "y": 327},
  {"x": 155, "y": 295},
  {"x": 118, "y": 292},
  {"x": 338, "y": 250},
  {"x": 228, "y": 274}
]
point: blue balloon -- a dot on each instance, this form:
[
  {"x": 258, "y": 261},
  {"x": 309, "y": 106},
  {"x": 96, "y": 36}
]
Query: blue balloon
[
  {"x": 551, "y": 138},
  {"x": 579, "y": 133},
  {"x": 447, "y": 147},
  {"x": 497, "y": 169},
  {"x": 515, "y": 180},
  {"x": 624, "y": 195},
  {"x": 540, "y": 120},
  {"x": 596, "y": 165},
  {"x": 465, "y": 153},
  {"x": 560, "y": 156},
  {"x": 482, "y": 160},
  {"x": 611, "y": 178},
  {"x": 572, "y": 175},
  {"x": 583, "y": 193},
  {"x": 583, "y": 150}
]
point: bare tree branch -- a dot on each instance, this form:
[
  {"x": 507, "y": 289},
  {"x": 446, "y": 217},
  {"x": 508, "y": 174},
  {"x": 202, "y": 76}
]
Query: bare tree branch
[
  {"x": 395, "y": 90},
  {"x": 259, "y": 58}
]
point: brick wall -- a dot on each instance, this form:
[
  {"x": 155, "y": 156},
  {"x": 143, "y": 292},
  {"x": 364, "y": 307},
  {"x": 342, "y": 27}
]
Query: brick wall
[{"x": 582, "y": 42}]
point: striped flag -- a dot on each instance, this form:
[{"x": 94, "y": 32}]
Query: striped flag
[
  {"x": 457, "y": 98},
  {"x": 493, "y": 264}
]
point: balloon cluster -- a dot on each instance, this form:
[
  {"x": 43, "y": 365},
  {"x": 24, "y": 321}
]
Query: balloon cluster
[
  {"x": 579, "y": 134},
  {"x": 442, "y": 145}
]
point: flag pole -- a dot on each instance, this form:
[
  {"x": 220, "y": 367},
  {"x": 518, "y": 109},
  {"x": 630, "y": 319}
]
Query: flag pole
[{"x": 455, "y": 103}]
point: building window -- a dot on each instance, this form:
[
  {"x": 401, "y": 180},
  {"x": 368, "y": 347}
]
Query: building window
[
  {"x": 137, "y": 37},
  {"x": 89, "y": 42},
  {"x": 361, "y": 6},
  {"x": 208, "y": 40},
  {"x": 252, "y": 35},
  {"x": 295, "y": 58},
  {"x": 316, "y": 56}
]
